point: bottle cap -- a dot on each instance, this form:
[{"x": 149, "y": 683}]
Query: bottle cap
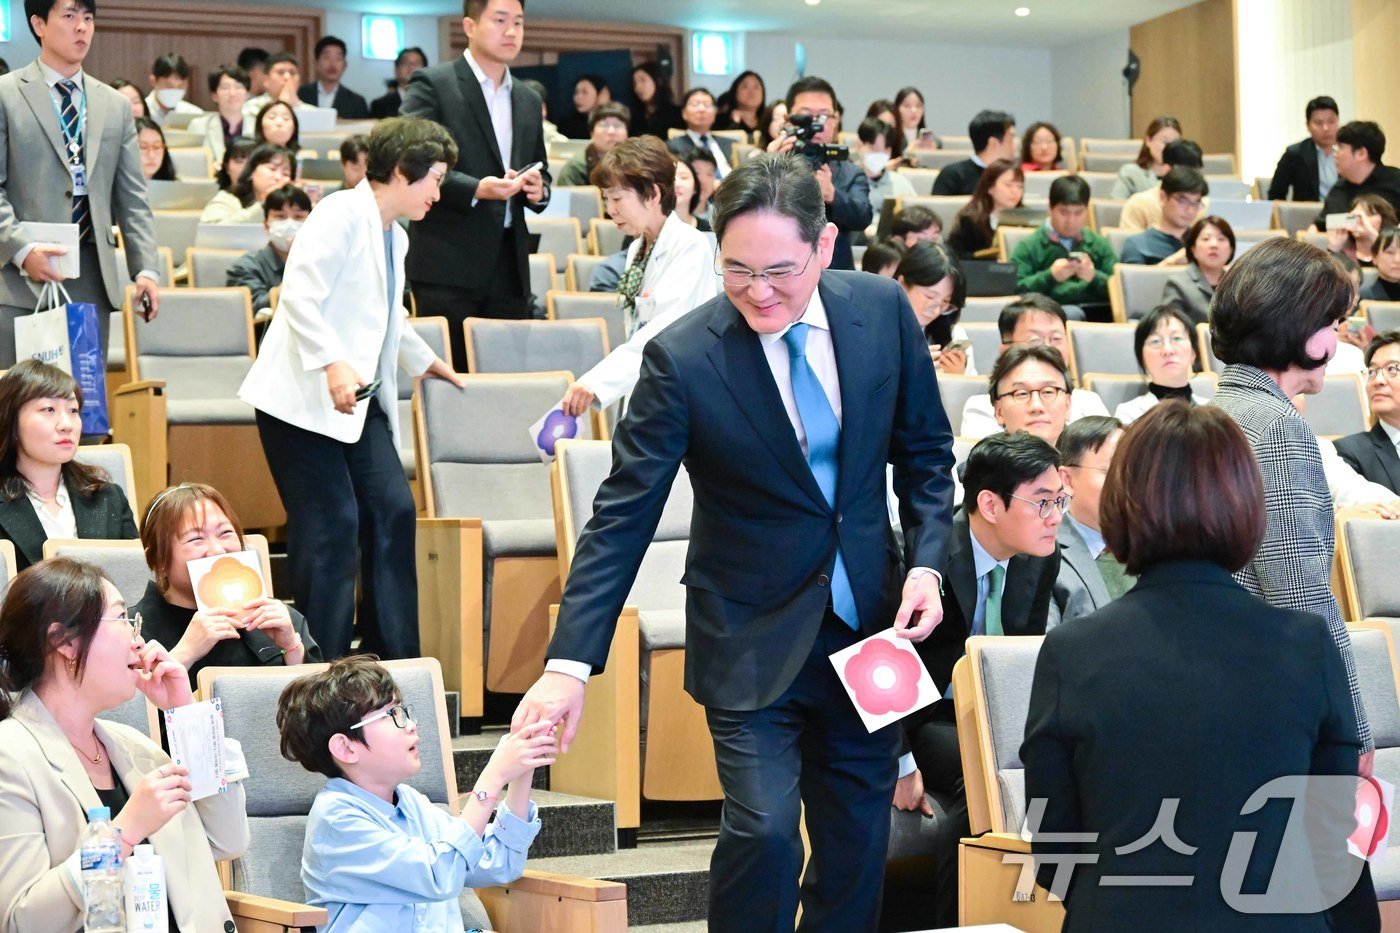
[{"x": 99, "y": 813}]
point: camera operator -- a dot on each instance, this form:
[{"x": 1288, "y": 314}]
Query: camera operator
[{"x": 845, "y": 187}]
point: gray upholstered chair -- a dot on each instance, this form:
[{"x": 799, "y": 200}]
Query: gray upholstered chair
[
  {"x": 1204, "y": 353},
  {"x": 1127, "y": 148},
  {"x": 604, "y": 237},
  {"x": 559, "y": 237},
  {"x": 183, "y": 195},
  {"x": 941, "y": 158},
  {"x": 1339, "y": 409},
  {"x": 1368, "y": 551},
  {"x": 1134, "y": 290},
  {"x": 669, "y": 756},
  {"x": 535, "y": 346},
  {"x": 945, "y": 206},
  {"x": 8, "y": 563},
  {"x": 585, "y": 202},
  {"x": 954, "y": 391},
  {"x": 1297, "y": 215},
  {"x": 433, "y": 330},
  {"x": 115, "y": 459},
  {"x": 543, "y": 278},
  {"x": 175, "y": 230},
  {"x": 487, "y": 568},
  {"x": 1008, "y": 238},
  {"x": 138, "y": 713},
  {"x": 986, "y": 343},
  {"x": 1038, "y": 183},
  {"x": 567, "y": 148},
  {"x": 1102, "y": 348},
  {"x": 209, "y": 267},
  {"x": 1248, "y": 239},
  {"x": 572, "y": 306},
  {"x": 1115, "y": 389},
  {"x": 1111, "y": 162},
  {"x": 985, "y": 311},
  {"x": 1116, "y": 237},
  {"x": 1383, "y": 315},
  {"x": 921, "y": 178},
  {"x": 1101, "y": 183},
  {"x": 1218, "y": 163},
  {"x": 1106, "y": 212},
  {"x": 181, "y": 414},
  {"x": 1228, "y": 188},
  {"x": 231, "y": 236},
  {"x": 124, "y": 562},
  {"x": 280, "y": 792},
  {"x": 580, "y": 271},
  {"x": 191, "y": 162}
]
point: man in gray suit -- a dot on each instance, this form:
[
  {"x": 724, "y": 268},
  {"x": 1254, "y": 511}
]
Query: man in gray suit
[
  {"x": 68, "y": 154},
  {"x": 1089, "y": 575}
]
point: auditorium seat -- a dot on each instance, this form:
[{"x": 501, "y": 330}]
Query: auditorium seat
[
  {"x": 944, "y": 205},
  {"x": 1316, "y": 239},
  {"x": 1102, "y": 348},
  {"x": 986, "y": 343},
  {"x": 1368, "y": 551},
  {"x": 115, "y": 460},
  {"x": 1134, "y": 290},
  {"x": 191, "y": 162},
  {"x": 124, "y": 561},
  {"x": 208, "y": 268},
  {"x": 644, "y": 737},
  {"x": 1383, "y": 315},
  {"x": 280, "y": 793},
  {"x": 1296, "y": 215},
  {"x": 1008, "y": 238},
  {"x": 1108, "y": 163},
  {"x": 1204, "y": 355},
  {"x": 8, "y": 563},
  {"x": 1105, "y": 212},
  {"x": 1100, "y": 184},
  {"x": 940, "y": 158},
  {"x": 434, "y": 331},
  {"x": 1127, "y": 148},
  {"x": 576, "y": 305},
  {"x": 1229, "y": 188},
  {"x": 136, "y": 713},
  {"x": 186, "y": 194},
  {"x": 500, "y": 346},
  {"x": 954, "y": 391},
  {"x": 604, "y": 237},
  {"x": 1038, "y": 183},
  {"x": 1218, "y": 163},
  {"x": 559, "y": 236},
  {"x": 986, "y": 310},
  {"x": 487, "y": 569},
  {"x": 1248, "y": 239},
  {"x": 566, "y": 149},
  {"x": 175, "y": 230},
  {"x": 1116, "y": 388},
  {"x": 921, "y": 178},
  {"x": 585, "y": 202},
  {"x": 579, "y": 272},
  {"x": 1241, "y": 214},
  {"x": 543, "y": 277},
  {"x": 1340, "y": 408},
  {"x": 1116, "y": 237}
]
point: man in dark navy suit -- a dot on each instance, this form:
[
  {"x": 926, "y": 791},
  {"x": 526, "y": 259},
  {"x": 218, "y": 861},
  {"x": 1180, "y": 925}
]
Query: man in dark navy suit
[{"x": 785, "y": 397}]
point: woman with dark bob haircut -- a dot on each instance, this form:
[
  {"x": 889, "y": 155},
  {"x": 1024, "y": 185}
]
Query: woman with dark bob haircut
[
  {"x": 1273, "y": 322},
  {"x": 1188, "y": 689}
]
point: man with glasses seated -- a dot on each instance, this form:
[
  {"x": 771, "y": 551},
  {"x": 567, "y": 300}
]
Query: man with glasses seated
[
  {"x": 1181, "y": 192},
  {"x": 1375, "y": 454},
  {"x": 1003, "y": 559},
  {"x": 1090, "y": 576}
]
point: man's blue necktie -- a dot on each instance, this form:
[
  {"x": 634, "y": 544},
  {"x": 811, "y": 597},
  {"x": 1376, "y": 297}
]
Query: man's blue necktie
[{"x": 823, "y": 438}]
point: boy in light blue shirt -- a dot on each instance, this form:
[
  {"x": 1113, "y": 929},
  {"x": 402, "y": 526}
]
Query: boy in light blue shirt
[{"x": 378, "y": 854}]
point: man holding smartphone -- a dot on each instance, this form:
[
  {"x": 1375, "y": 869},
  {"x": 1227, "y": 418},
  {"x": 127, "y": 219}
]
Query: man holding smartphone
[
  {"x": 1064, "y": 259},
  {"x": 470, "y": 256}
]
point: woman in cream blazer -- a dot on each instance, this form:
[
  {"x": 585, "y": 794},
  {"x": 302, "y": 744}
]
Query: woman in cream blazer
[{"x": 325, "y": 387}]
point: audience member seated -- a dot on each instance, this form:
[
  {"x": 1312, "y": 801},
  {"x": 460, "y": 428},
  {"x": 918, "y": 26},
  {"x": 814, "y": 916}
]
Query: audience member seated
[
  {"x": 267, "y": 169},
  {"x": 1144, "y": 172},
  {"x": 72, "y": 652},
  {"x": 882, "y": 109},
  {"x": 170, "y": 80},
  {"x": 1373, "y": 453},
  {"x": 1183, "y": 508},
  {"x": 254, "y": 61},
  {"x": 993, "y": 136},
  {"x": 1307, "y": 170},
  {"x": 1144, "y": 209},
  {"x": 688, "y": 195},
  {"x": 281, "y": 81},
  {"x": 409, "y": 60},
  {"x": 1029, "y": 320},
  {"x": 774, "y": 119},
  {"x": 1063, "y": 259},
  {"x": 276, "y": 124},
  {"x": 882, "y": 257},
  {"x": 741, "y": 107},
  {"x": 327, "y": 91},
  {"x": 998, "y": 580},
  {"x": 698, "y": 111},
  {"x": 132, "y": 93},
  {"x": 1165, "y": 346},
  {"x": 974, "y": 226},
  {"x": 670, "y": 265},
  {"x": 1386, "y": 287},
  {"x": 155, "y": 157},
  {"x": 916, "y": 224},
  {"x": 1370, "y": 213},
  {"x": 551, "y": 132},
  {"x": 910, "y": 117},
  {"x": 260, "y": 271},
  {"x": 354, "y": 160},
  {"x": 1181, "y": 192},
  {"x": 1210, "y": 248},
  {"x": 1040, "y": 149},
  {"x": 235, "y": 158},
  {"x": 702, "y": 166},
  {"x": 934, "y": 282},
  {"x": 44, "y": 492},
  {"x": 875, "y": 157},
  {"x": 189, "y": 522},
  {"x": 590, "y": 91},
  {"x": 1360, "y": 146},
  {"x": 229, "y": 85},
  {"x": 379, "y": 855},
  {"x": 654, "y": 110},
  {"x": 607, "y": 126},
  {"x": 1090, "y": 576},
  {"x": 1031, "y": 390}
]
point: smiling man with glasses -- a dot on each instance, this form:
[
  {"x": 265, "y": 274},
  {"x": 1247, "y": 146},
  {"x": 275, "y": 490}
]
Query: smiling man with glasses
[{"x": 786, "y": 397}]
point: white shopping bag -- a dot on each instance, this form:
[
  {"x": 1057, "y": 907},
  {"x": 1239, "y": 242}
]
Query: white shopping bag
[{"x": 44, "y": 334}]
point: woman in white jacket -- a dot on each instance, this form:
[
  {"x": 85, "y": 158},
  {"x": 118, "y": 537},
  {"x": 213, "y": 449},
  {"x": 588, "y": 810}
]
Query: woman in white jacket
[
  {"x": 325, "y": 386},
  {"x": 670, "y": 266}
]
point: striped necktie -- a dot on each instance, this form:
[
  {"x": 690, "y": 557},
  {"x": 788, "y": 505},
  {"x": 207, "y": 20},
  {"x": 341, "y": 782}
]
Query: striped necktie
[{"x": 68, "y": 93}]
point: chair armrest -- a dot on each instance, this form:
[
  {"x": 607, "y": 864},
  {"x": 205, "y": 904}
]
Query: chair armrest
[
  {"x": 1002, "y": 842},
  {"x": 543, "y": 901},
  {"x": 271, "y": 910},
  {"x": 143, "y": 387},
  {"x": 569, "y": 886}
]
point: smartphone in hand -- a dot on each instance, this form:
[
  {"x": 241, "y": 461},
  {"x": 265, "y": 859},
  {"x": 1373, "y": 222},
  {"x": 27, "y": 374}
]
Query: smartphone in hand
[{"x": 146, "y": 309}]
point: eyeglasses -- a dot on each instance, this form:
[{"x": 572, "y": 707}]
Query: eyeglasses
[
  {"x": 1391, "y": 370},
  {"x": 1176, "y": 340},
  {"x": 133, "y": 621},
  {"x": 1048, "y": 395},
  {"x": 399, "y": 713},
  {"x": 739, "y": 277},
  {"x": 1085, "y": 466},
  {"x": 1044, "y": 506},
  {"x": 1185, "y": 201}
]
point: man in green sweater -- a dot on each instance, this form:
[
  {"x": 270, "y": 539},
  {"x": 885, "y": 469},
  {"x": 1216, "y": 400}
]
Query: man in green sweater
[{"x": 1064, "y": 260}]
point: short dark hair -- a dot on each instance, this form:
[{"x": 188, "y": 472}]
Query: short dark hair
[
  {"x": 685, "y": 98},
  {"x": 277, "y": 58},
  {"x": 1273, "y": 299},
  {"x": 1183, "y": 485},
  {"x": 1002, "y": 462},
  {"x": 410, "y": 144},
  {"x": 1147, "y": 326},
  {"x": 929, "y": 263},
  {"x": 642, "y": 164},
  {"x": 1029, "y": 135},
  {"x": 414, "y": 50},
  {"x": 1017, "y": 354},
  {"x": 599, "y": 85},
  {"x": 472, "y": 9},
  {"x": 880, "y": 253},
  {"x": 914, "y": 218},
  {"x": 235, "y": 72},
  {"x": 353, "y": 147},
  {"x": 780, "y": 183},
  {"x": 171, "y": 63},
  {"x": 287, "y": 196},
  {"x": 1183, "y": 180},
  {"x": 811, "y": 85},
  {"x": 1363, "y": 134},
  {"x": 1183, "y": 152},
  {"x": 1193, "y": 233},
  {"x": 612, "y": 110},
  {"x": 872, "y": 128},
  {"x": 317, "y": 707},
  {"x": 1012, "y": 313},
  {"x": 1085, "y": 436},
  {"x": 1382, "y": 340},
  {"x": 1320, "y": 103},
  {"x": 42, "y": 9},
  {"x": 326, "y": 42},
  {"x": 261, "y": 155},
  {"x": 987, "y": 126},
  {"x": 1069, "y": 190},
  {"x": 251, "y": 57}
]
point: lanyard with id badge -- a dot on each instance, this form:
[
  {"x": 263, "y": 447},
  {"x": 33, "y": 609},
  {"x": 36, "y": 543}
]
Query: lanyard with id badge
[{"x": 74, "y": 144}]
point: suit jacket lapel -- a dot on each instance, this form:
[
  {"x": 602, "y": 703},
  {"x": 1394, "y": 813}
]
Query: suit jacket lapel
[
  {"x": 36, "y": 94},
  {"x": 519, "y": 124},
  {"x": 1389, "y": 458},
  {"x": 94, "y": 122},
  {"x": 22, "y": 526},
  {"x": 849, "y": 338},
  {"x": 476, "y": 104},
  {"x": 961, "y": 575},
  {"x": 1018, "y": 593},
  {"x": 60, "y": 754},
  {"x": 1076, "y": 554}
]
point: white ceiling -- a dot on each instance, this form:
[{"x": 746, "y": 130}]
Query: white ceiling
[{"x": 988, "y": 22}]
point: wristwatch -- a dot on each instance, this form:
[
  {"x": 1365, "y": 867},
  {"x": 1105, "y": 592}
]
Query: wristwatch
[{"x": 482, "y": 795}]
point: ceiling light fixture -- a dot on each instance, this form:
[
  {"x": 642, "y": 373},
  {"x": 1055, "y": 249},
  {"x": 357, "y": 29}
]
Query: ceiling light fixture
[
  {"x": 813, "y": 2},
  {"x": 1023, "y": 11}
]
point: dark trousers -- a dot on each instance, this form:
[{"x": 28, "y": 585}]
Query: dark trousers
[
  {"x": 809, "y": 747},
  {"x": 348, "y": 508},
  {"x": 504, "y": 296},
  {"x": 935, "y": 746}
]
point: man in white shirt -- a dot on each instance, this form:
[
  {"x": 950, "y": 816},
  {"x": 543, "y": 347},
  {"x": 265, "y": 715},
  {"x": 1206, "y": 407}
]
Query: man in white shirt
[
  {"x": 698, "y": 111},
  {"x": 170, "y": 82},
  {"x": 326, "y": 91}
]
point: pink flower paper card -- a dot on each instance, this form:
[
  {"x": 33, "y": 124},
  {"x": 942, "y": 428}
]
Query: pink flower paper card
[{"x": 885, "y": 678}]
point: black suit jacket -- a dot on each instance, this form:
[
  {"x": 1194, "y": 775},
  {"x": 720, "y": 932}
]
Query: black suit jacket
[
  {"x": 457, "y": 242},
  {"x": 1384, "y": 180},
  {"x": 348, "y": 105},
  {"x": 958, "y": 178},
  {"x": 763, "y": 539},
  {"x": 382, "y": 108},
  {"x": 104, "y": 514},
  {"x": 684, "y": 147},
  {"x": 1296, "y": 170},
  {"x": 1185, "y": 687},
  {"x": 1371, "y": 454}
]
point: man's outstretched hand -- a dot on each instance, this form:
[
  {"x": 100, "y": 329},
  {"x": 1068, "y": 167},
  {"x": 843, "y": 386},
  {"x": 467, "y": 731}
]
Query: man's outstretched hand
[{"x": 556, "y": 697}]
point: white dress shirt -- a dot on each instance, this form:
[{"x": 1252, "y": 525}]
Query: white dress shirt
[
  {"x": 714, "y": 149},
  {"x": 1347, "y": 486},
  {"x": 64, "y": 524},
  {"x": 498, "y": 105},
  {"x": 1093, "y": 538},
  {"x": 324, "y": 98},
  {"x": 1391, "y": 432}
]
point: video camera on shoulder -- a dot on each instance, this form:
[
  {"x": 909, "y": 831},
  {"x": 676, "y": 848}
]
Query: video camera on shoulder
[{"x": 804, "y": 126}]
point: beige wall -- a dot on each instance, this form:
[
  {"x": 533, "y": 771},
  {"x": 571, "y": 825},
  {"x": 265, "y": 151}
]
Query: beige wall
[
  {"x": 1375, "y": 37},
  {"x": 1188, "y": 72}
]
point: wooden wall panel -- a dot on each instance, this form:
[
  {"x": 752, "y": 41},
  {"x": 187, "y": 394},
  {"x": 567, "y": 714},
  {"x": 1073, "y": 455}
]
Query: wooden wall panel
[
  {"x": 1375, "y": 28},
  {"x": 1188, "y": 71},
  {"x": 132, "y": 33}
]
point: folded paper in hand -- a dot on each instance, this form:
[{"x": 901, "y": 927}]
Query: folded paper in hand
[{"x": 885, "y": 678}]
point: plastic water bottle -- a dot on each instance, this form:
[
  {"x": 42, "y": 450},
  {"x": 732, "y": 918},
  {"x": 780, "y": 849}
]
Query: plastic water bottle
[
  {"x": 146, "y": 907},
  {"x": 99, "y": 854}
]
